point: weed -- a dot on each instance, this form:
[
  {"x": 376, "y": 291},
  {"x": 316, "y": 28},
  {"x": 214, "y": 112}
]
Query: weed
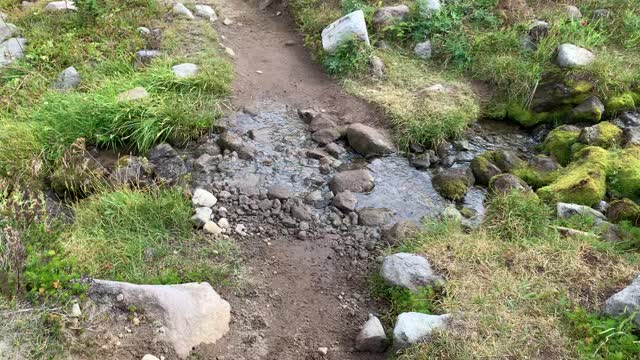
[{"x": 350, "y": 58}]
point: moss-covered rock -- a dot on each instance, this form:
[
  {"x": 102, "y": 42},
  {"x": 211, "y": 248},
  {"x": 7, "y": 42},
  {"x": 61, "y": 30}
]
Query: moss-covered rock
[
  {"x": 559, "y": 142},
  {"x": 623, "y": 102},
  {"x": 507, "y": 183},
  {"x": 624, "y": 210},
  {"x": 78, "y": 173},
  {"x": 583, "y": 182},
  {"x": 540, "y": 171},
  {"x": 483, "y": 168},
  {"x": 453, "y": 183},
  {"x": 624, "y": 179},
  {"x": 590, "y": 110},
  {"x": 604, "y": 134},
  {"x": 507, "y": 160}
]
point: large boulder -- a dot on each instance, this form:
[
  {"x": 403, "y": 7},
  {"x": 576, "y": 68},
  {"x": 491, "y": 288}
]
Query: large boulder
[
  {"x": 388, "y": 15},
  {"x": 583, "y": 182},
  {"x": 68, "y": 79},
  {"x": 625, "y": 302},
  {"x": 346, "y": 28},
  {"x": 415, "y": 327},
  {"x": 191, "y": 314},
  {"x": 168, "y": 165},
  {"x": 571, "y": 56},
  {"x": 359, "y": 181},
  {"x": 12, "y": 50},
  {"x": 507, "y": 183},
  {"x": 368, "y": 141},
  {"x": 590, "y": 110},
  {"x": 372, "y": 337},
  {"x": 453, "y": 183},
  {"x": 409, "y": 271},
  {"x": 560, "y": 141},
  {"x": 604, "y": 134}
]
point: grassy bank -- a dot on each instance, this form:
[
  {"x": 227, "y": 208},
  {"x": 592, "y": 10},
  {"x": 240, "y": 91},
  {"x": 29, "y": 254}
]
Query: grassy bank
[
  {"x": 522, "y": 291},
  {"x": 477, "y": 41}
]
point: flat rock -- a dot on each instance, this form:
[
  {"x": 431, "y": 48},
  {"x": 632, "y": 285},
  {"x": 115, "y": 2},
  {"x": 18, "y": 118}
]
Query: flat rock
[
  {"x": 206, "y": 11},
  {"x": 368, "y": 141},
  {"x": 68, "y": 79},
  {"x": 359, "y": 181},
  {"x": 625, "y": 302},
  {"x": 202, "y": 197},
  {"x": 145, "y": 57},
  {"x": 410, "y": 271},
  {"x": 192, "y": 314},
  {"x": 186, "y": 70},
  {"x": 12, "y": 50},
  {"x": 374, "y": 216},
  {"x": 345, "y": 201},
  {"x": 570, "y": 56},
  {"x": 326, "y": 136},
  {"x": 344, "y": 29},
  {"x": 415, "y": 327},
  {"x": 372, "y": 337},
  {"x": 181, "y": 11},
  {"x": 60, "y": 6},
  {"x": 565, "y": 210},
  {"x": 134, "y": 94}
]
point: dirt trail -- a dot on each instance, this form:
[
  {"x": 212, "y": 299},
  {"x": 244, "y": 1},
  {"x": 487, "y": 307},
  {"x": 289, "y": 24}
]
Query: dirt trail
[
  {"x": 265, "y": 42},
  {"x": 297, "y": 295}
]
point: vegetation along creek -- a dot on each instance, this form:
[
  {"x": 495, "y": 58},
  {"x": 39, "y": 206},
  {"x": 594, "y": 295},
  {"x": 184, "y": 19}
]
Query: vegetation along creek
[{"x": 319, "y": 179}]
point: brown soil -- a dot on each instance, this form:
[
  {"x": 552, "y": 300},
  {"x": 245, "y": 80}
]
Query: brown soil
[{"x": 265, "y": 42}]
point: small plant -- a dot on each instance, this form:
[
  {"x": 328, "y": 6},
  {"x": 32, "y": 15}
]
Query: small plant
[
  {"x": 600, "y": 337},
  {"x": 400, "y": 300},
  {"x": 518, "y": 217},
  {"x": 351, "y": 58}
]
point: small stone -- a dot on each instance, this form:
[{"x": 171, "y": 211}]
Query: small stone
[
  {"x": 227, "y": 21},
  {"x": 212, "y": 228},
  {"x": 134, "y": 94},
  {"x": 601, "y": 14},
  {"x": 280, "y": 192},
  {"x": 409, "y": 271},
  {"x": 572, "y": 12},
  {"x": 241, "y": 229},
  {"x": 413, "y": 327},
  {"x": 120, "y": 298},
  {"x": 571, "y": 56},
  {"x": 203, "y": 198},
  {"x": 224, "y": 223},
  {"x": 372, "y": 337},
  {"x": 75, "y": 310},
  {"x": 135, "y": 321},
  {"x": 68, "y": 79},
  {"x": 229, "y": 51},
  {"x": 377, "y": 66},
  {"x": 301, "y": 212},
  {"x": 144, "y": 30},
  {"x": 149, "y": 357},
  {"x": 345, "y": 201},
  {"x": 186, "y": 70},
  {"x": 423, "y": 50},
  {"x": 323, "y": 351},
  {"x": 359, "y": 181},
  {"x": 181, "y": 11},
  {"x": 202, "y": 216},
  {"x": 145, "y": 57}
]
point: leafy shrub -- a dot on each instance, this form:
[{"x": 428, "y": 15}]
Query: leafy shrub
[{"x": 352, "y": 57}]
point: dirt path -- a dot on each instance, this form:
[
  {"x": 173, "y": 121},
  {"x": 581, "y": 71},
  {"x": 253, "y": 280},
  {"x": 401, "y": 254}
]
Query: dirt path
[
  {"x": 265, "y": 42},
  {"x": 298, "y": 296}
]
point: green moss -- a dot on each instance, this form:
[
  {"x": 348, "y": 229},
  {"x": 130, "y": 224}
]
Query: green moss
[
  {"x": 624, "y": 179},
  {"x": 529, "y": 118},
  {"x": 483, "y": 168},
  {"x": 454, "y": 190},
  {"x": 609, "y": 135},
  {"x": 559, "y": 143},
  {"x": 622, "y": 102},
  {"x": 583, "y": 182},
  {"x": 624, "y": 210},
  {"x": 536, "y": 178}
]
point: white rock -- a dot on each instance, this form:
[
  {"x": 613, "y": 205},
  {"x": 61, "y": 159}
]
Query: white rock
[
  {"x": 413, "y": 327},
  {"x": 69, "y": 78},
  {"x": 229, "y": 51},
  {"x": 372, "y": 337},
  {"x": 206, "y": 12},
  {"x": 212, "y": 228},
  {"x": 423, "y": 50},
  {"x": 409, "y": 271},
  {"x": 227, "y": 21},
  {"x": 323, "y": 351},
  {"x": 12, "y": 50},
  {"x": 182, "y": 11},
  {"x": 144, "y": 30},
  {"x": 134, "y": 94},
  {"x": 60, "y": 6},
  {"x": 224, "y": 223},
  {"x": 182, "y": 71},
  {"x": 75, "y": 310},
  {"x": 625, "y": 302},
  {"x": 202, "y": 216},
  {"x": 565, "y": 210},
  {"x": 202, "y": 197},
  {"x": 570, "y": 56},
  {"x": 191, "y": 314},
  {"x": 345, "y": 29},
  {"x": 241, "y": 229},
  {"x": 149, "y": 357}
]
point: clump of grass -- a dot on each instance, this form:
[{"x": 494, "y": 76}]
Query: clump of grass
[
  {"x": 513, "y": 283},
  {"x": 352, "y": 57},
  {"x": 144, "y": 237}
]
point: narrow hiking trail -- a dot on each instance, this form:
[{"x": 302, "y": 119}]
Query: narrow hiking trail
[{"x": 298, "y": 295}]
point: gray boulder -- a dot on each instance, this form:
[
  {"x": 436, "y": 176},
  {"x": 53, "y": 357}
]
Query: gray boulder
[
  {"x": 572, "y": 12},
  {"x": 130, "y": 170},
  {"x": 538, "y": 30},
  {"x": 359, "y": 181},
  {"x": 409, "y": 271},
  {"x": 483, "y": 169},
  {"x": 233, "y": 142},
  {"x": 423, "y": 50},
  {"x": 374, "y": 216},
  {"x": 186, "y": 70},
  {"x": 181, "y": 11},
  {"x": 191, "y": 314},
  {"x": 168, "y": 166},
  {"x": 631, "y": 137},
  {"x": 12, "y": 50},
  {"x": 415, "y": 327},
  {"x": 627, "y": 119},
  {"x": 507, "y": 183},
  {"x": 388, "y": 15},
  {"x": 368, "y": 141},
  {"x": 206, "y": 11},
  {"x": 625, "y": 302},
  {"x": 7, "y": 31},
  {"x": 372, "y": 337},
  {"x": 344, "y": 29},
  {"x": 345, "y": 201},
  {"x": 68, "y": 79},
  {"x": 55, "y": 6},
  {"x": 571, "y": 56},
  {"x": 565, "y": 210}
]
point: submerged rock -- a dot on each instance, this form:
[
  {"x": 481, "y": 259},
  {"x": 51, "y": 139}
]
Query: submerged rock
[
  {"x": 409, "y": 271},
  {"x": 358, "y": 181}
]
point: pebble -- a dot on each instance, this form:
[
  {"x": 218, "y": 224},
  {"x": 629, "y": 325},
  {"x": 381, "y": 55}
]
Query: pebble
[
  {"x": 227, "y": 21},
  {"x": 75, "y": 310},
  {"x": 229, "y": 51},
  {"x": 323, "y": 351}
]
